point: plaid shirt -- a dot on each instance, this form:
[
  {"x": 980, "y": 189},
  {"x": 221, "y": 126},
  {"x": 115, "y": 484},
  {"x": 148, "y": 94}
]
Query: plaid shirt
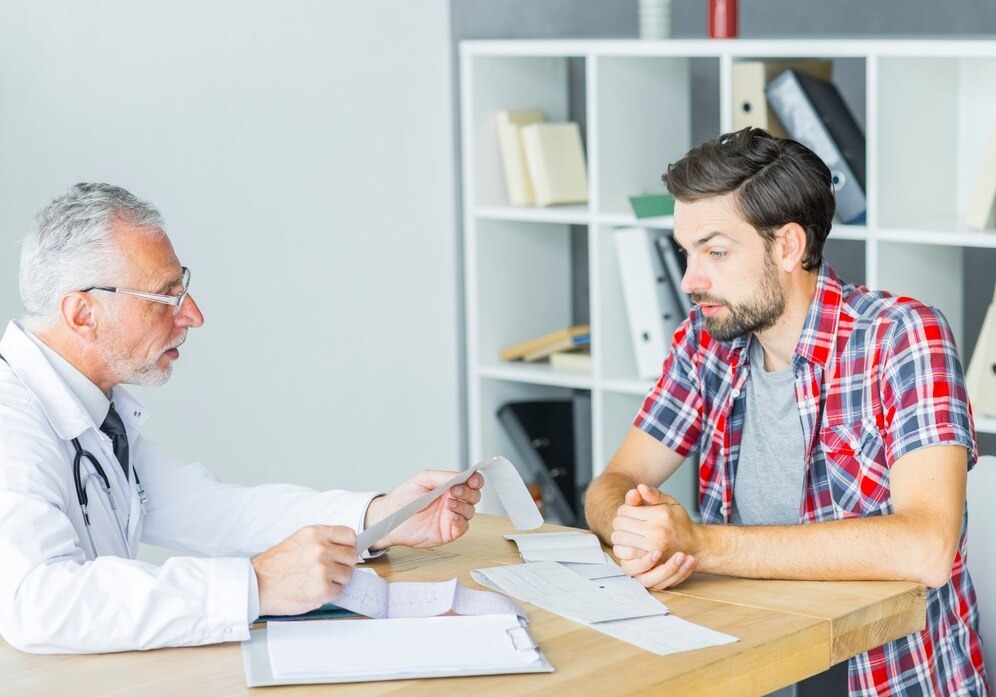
[{"x": 876, "y": 377}]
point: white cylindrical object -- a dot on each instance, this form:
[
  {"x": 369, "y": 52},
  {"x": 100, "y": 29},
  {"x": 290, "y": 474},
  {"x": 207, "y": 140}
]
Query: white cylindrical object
[{"x": 655, "y": 19}]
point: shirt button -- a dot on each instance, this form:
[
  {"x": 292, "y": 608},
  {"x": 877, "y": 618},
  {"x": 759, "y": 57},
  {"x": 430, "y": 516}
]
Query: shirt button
[
  {"x": 137, "y": 414},
  {"x": 228, "y": 630},
  {"x": 735, "y": 392}
]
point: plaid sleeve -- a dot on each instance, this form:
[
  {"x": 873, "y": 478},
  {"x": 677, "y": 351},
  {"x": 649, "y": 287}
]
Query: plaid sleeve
[
  {"x": 924, "y": 398},
  {"x": 672, "y": 410}
]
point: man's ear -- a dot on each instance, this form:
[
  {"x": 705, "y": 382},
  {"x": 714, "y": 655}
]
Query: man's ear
[
  {"x": 78, "y": 316},
  {"x": 792, "y": 246}
]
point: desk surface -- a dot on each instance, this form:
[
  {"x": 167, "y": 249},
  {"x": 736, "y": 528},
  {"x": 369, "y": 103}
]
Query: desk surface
[{"x": 788, "y": 631}]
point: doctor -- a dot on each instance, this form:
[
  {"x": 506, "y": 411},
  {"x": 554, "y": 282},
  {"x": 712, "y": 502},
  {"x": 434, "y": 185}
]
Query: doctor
[{"x": 107, "y": 303}]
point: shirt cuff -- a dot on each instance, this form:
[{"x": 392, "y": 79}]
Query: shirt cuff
[
  {"x": 366, "y": 553},
  {"x": 253, "y": 594}
]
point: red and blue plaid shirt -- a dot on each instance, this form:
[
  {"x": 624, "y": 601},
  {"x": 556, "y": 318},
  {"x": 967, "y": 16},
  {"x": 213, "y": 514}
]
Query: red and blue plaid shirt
[{"x": 876, "y": 377}]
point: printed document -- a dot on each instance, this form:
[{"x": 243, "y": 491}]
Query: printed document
[{"x": 502, "y": 477}]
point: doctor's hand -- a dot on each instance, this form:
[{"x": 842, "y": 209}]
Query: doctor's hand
[
  {"x": 654, "y": 538},
  {"x": 442, "y": 521},
  {"x": 306, "y": 570}
]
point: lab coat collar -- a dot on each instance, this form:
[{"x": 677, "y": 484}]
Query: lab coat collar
[{"x": 63, "y": 408}]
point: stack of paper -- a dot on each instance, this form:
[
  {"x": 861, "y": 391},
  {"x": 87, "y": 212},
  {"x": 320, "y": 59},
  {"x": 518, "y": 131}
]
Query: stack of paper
[{"x": 597, "y": 594}]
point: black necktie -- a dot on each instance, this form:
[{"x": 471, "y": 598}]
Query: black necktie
[{"x": 113, "y": 426}]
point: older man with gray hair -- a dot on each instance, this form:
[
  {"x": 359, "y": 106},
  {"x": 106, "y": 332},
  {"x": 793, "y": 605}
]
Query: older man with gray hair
[{"x": 108, "y": 303}]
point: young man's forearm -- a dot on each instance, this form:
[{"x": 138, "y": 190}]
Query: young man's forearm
[
  {"x": 603, "y": 499},
  {"x": 889, "y": 547}
]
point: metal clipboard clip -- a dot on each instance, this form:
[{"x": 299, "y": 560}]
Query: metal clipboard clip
[{"x": 520, "y": 637}]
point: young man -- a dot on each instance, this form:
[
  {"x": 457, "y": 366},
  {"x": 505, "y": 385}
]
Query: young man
[
  {"x": 108, "y": 303},
  {"x": 831, "y": 423}
]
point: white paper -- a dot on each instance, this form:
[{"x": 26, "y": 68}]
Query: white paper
[
  {"x": 553, "y": 587},
  {"x": 500, "y": 474},
  {"x": 576, "y": 547},
  {"x": 368, "y": 594},
  {"x": 664, "y": 634},
  {"x": 367, "y": 648},
  {"x": 659, "y": 633},
  {"x": 607, "y": 569}
]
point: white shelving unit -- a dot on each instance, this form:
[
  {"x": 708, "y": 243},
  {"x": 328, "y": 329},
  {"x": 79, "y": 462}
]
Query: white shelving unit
[{"x": 929, "y": 106}]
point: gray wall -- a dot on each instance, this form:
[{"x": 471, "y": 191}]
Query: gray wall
[{"x": 302, "y": 154}]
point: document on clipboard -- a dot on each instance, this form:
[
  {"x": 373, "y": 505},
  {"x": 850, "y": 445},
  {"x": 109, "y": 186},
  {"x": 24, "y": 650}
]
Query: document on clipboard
[{"x": 366, "y": 650}]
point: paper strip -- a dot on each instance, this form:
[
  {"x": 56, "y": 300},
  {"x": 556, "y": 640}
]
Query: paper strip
[{"x": 499, "y": 472}]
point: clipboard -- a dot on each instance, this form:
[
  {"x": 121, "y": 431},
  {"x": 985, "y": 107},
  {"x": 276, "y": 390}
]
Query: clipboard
[{"x": 259, "y": 672}]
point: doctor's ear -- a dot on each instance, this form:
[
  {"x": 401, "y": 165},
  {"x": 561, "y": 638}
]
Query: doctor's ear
[{"x": 78, "y": 315}]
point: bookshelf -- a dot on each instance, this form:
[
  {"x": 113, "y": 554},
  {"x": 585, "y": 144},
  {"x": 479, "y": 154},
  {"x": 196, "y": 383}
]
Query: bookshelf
[{"x": 928, "y": 106}]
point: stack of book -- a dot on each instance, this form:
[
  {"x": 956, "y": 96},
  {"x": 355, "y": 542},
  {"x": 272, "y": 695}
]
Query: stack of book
[
  {"x": 543, "y": 162},
  {"x": 542, "y": 347}
]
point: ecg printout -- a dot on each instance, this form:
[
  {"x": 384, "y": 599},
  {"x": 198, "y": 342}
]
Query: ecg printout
[
  {"x": 591, "y": 602},
  {"x": 501, "y": 475},
  {"x": 368, "y": 594}
]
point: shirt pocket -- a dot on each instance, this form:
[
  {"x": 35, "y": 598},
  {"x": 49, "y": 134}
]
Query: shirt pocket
[{"x": 857, "y": 473}]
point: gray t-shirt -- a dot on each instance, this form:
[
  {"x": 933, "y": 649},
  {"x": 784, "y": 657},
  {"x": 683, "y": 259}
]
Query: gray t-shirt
[{"x": 772, "y": 467}]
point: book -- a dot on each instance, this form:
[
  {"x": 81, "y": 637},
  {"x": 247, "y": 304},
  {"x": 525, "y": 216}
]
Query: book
[
  {"x": 652, "y": 205},
  {"x": 980, "y": 212},
  {"x": 571, "y": 361},
  {"x": 555, "y": 159},
  {"x": 542, "y": 346},
  {"x": 652, "y": 309},
  {"x": 814, "y": 113},
  {"x": 750, "y": 105},
  {"x": 517, "y": 183},
  {"x": 543, "y": 434}
]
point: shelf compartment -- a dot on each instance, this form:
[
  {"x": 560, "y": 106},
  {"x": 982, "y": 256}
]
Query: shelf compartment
[
  {"x": 523, "y": 284},
  {"x": 508, "y": 84},
  {"x": 938, "y": 111},
  {"x": 643, "y": 108}
]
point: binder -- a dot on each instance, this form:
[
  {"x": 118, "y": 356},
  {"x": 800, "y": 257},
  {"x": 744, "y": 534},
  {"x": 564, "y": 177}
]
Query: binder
[
  {"x": 750, "y": 105},
  {"x": 555, "y": 159},
  {"x": 814, "y": 113},
  {"x": 674, "y": 265},
  {"x": 582, "y": 452},
  {"x": 652, "y": 308},
  {"x": 543, "y": 433},
  {"x": 517, "y": 183}
]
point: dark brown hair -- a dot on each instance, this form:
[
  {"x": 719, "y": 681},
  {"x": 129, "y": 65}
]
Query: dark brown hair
[{"x": 774, "y": 181}]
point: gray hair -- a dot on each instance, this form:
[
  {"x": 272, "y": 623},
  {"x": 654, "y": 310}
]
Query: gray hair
[{"x": 69, "y": 247}]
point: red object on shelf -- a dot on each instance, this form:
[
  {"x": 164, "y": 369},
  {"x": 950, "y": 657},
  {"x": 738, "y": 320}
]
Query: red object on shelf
[{"x": 722, "y": 19}]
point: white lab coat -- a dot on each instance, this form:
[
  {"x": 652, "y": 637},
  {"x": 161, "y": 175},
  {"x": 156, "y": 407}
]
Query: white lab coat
[{"x": 57, "y": 595}]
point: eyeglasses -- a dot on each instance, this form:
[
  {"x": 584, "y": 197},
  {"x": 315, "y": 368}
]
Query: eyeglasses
[{"x": 175, "y": 300}]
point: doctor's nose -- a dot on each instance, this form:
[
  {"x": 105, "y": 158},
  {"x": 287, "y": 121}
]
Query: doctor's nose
[{"x": 189, "y": 314}]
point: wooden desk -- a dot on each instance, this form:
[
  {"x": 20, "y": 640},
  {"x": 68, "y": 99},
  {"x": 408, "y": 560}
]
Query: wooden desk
[{"x": 788, "y": 631}]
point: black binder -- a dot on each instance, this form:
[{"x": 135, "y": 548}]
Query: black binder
[
  {"x": 813, "y": 113},
  {"x": 554, "y": 450}
]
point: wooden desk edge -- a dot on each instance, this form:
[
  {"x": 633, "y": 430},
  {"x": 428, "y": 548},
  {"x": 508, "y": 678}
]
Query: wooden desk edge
[{"x": 872, "y": 626}]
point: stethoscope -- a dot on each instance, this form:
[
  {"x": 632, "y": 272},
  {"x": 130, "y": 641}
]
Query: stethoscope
[{"x": 81, "y": 479}]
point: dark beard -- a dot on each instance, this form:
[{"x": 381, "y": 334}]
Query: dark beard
[{"x": 755, "y": 315}]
